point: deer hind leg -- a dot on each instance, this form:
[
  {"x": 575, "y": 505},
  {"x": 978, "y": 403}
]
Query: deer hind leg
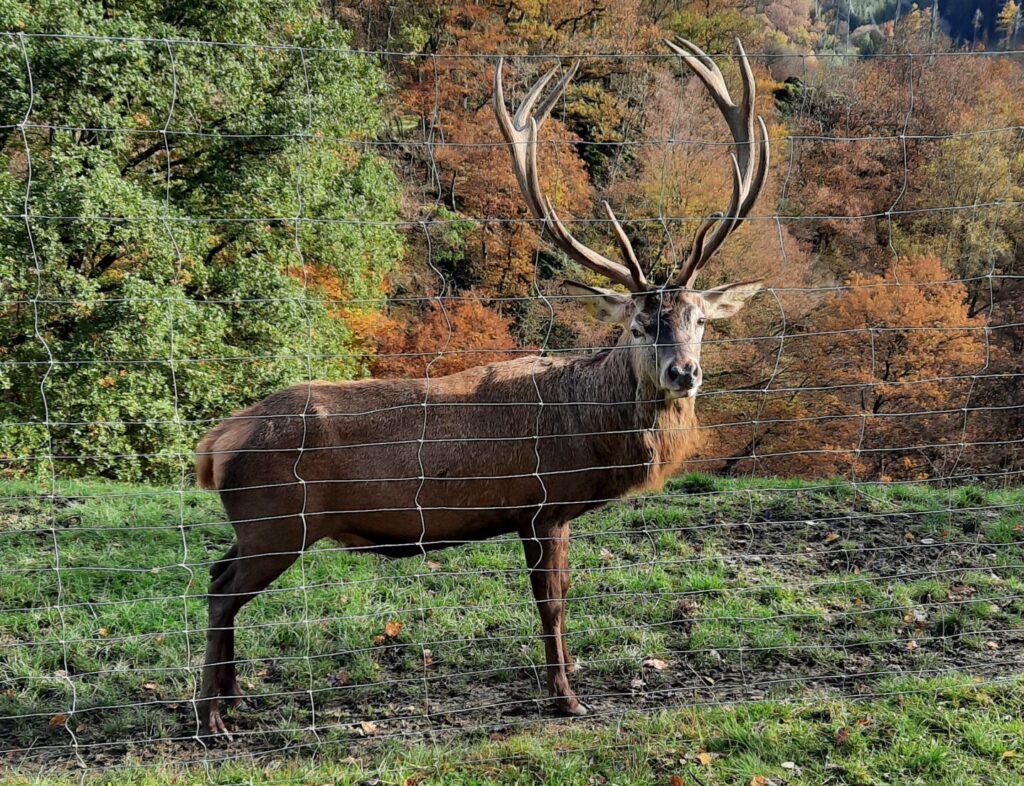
[
  {"x": 567, "y": 659},
  {"x": 547, "y": 557},
  {"x": 235, "y": 585}
]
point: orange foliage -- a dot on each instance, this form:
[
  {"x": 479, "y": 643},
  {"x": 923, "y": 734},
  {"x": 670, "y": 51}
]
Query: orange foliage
[
  {"x": 443, "y": 340},
  {"x": 875, "y": 384}
]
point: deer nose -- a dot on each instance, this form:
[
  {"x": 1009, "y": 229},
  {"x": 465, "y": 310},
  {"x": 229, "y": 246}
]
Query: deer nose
[{"x": 684, "y": 375}]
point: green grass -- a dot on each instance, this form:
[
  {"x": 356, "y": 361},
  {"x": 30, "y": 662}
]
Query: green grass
[{"x": 784, "y": 610}]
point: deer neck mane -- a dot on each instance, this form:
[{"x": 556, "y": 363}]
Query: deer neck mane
[{"x": 656, "y": 433}]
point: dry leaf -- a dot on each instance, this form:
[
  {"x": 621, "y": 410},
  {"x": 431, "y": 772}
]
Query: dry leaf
[
  {"x": 59, "y": 719},
  {"x": 759, "y": 780},
  {"x": 841, "y": 736},
  {"x": 704, "y": 758},
  {"x": 1009, "y": 754},
  {"x": 675, "y": 780},
  {"x": 378, "y": 640},
  {"x": 788, "y": 765},
  {"x": 433, "y": 565},
  {"x": 150, "y": 686},
  {"x": 369, "y": 727},
  {"x": 655, "y": 663},
  {"x": 606, "y": 555},
  {"x": 832, "y": 537},
  {"x": 992, "y": 645},
  {"x": 392, "y": 629},
  {"x": 911, "y": 645},
  {"x": 428, "y": 658},
  {"x": 103, "y": 633}
]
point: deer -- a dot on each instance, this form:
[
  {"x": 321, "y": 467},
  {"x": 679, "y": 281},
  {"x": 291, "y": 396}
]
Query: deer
[{"x": 399, "y": 467}]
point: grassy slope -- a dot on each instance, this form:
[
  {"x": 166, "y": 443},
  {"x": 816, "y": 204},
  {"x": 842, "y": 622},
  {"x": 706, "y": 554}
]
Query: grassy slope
[{"x": 875, "y": 609}]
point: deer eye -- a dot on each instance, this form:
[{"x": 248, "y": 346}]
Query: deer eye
[
  {"x": 637, "y": 331},
  {"x": 701, "y": 321}
]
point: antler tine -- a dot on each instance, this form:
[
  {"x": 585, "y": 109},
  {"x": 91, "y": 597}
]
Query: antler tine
[
  {"x": 750, "y": 164},
  {"x": 627, "y": 250},
  {"x": 521, "y": 134}
]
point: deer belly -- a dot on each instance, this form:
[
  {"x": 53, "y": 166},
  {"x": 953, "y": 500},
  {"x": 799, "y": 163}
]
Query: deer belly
[{"x": 413, "y": 516}]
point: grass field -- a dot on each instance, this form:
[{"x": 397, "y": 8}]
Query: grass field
[{"x": 728, "y": 631}]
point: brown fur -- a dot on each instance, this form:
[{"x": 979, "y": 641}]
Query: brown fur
[{"x": 400, "y": 467}]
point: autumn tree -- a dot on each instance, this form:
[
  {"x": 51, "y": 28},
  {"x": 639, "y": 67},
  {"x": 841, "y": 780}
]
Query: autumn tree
[
  {"x": 875, "y": 383},
  {"x": 448, "y": 335}
]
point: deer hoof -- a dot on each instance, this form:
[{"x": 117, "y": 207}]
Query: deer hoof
[
  {"x": 218, "y": 726},
  {"x": 215, "y": 725},
  {"x": 574, "y": 709}
]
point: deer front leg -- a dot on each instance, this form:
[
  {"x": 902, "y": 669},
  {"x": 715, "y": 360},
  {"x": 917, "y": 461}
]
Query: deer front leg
[{"x": 547, "y": 557}]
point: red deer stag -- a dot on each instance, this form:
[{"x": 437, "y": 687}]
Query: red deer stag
[{"x": 399, "y": 467}]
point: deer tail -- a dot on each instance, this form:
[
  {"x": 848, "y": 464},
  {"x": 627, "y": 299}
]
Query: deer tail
[{"x": 215, "y": 451}]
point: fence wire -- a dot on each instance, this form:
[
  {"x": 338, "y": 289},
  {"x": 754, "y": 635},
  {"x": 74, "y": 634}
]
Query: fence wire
[{"x": 843, "y": 530}]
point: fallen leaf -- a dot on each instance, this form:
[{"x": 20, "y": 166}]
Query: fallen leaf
[
  {"x": 675, "y": 780},
  {"x": 59, "y": 719},
  {"x": 992, "y": 644},
  {"x": 428, "y": 658},
  {"x": 655, "y": 663},
  {"x": 704, "y": 758},
  {"x": 369, "y": 727},
  {"x": 433, "y": 565},
  {"x": 606, "y": 555},
  {"x": 150, "y": 686},
  {"x": 103, "y": 633},
  {"x": 788, "y": 765},
  {"x": 831, "y": 537},
  {"x": 759, "y": 780},
  {"x": 1009, "y": 754},
  {"x": 392, "y": 629},
  {"x": 841, "y": 736},
  {"x": 378, "y": 640},
  {"x": 911, "y": 645}
]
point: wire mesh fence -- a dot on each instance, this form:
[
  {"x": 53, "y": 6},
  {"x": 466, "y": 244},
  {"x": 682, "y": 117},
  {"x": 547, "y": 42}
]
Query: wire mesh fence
[{"x": 850, "y": 524}]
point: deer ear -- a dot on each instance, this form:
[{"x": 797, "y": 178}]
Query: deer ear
[
  {"x": 726, "y": 300},
  {"x": 603, "y": 304}
]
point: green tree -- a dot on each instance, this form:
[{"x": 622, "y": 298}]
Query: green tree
[{"x": 161, "y": 276}]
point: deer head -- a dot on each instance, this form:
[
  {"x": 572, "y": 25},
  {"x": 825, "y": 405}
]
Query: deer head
[{"x": 665, "y": 324}]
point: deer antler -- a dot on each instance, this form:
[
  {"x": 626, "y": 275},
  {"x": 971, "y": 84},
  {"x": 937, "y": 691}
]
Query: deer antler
[
  {"x": 520, "y": 133},
  {"x": 750, "y": 161},
  {"x": 750, "y": 167}
]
